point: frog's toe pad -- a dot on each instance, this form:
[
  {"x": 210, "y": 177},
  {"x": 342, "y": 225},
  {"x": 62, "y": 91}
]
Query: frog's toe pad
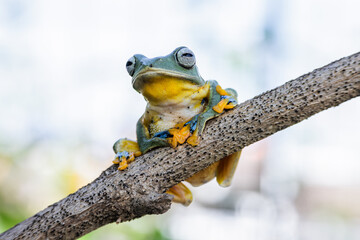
[{"x": 181, "y": 194}]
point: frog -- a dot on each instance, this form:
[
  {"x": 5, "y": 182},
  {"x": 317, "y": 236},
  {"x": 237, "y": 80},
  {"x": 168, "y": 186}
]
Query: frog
[{"x": 179, "y": 103}]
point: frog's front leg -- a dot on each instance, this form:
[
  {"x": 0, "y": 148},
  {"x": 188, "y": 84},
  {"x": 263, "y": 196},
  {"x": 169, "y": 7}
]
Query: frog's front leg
[
  {"x": 228, "y": 99},
  {"x": 146, "y": 143},
  {"x": 126, "y": 150},
  {"x": 218, "y": 100}
]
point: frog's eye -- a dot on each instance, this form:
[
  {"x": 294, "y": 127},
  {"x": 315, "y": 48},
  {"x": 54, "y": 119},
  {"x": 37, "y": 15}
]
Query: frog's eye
[
  {"x": 130, "y": 66},
  {"x": 186, "y": 57}
]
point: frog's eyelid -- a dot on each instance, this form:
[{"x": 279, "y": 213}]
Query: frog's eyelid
[{"x": 187, "y": 55}]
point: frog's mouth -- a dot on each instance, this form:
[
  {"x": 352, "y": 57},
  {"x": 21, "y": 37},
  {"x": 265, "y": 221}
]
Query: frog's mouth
[
  {"x": 160, "y": 86},
  {"x": 150, "y": 75}
]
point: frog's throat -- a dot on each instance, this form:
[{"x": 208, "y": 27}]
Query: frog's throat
[{"x": 148, "y": 74}]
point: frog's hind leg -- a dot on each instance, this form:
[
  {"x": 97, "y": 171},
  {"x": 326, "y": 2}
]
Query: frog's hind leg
[
  {"x": 126, "y": 151},
  {"x": 223, "y": 170},
  {"x": 204, "y": 175},
  {"x": 226, "y": 169},
  {"x": 181, "y": 194}
]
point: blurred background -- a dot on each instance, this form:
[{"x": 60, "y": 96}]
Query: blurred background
[{"x": 65, "y": 98}]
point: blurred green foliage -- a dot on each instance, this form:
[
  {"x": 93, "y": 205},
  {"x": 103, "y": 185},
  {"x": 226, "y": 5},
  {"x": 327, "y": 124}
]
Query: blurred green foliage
[
  {"x": 11, "y": 213},
  {"x": 146, "y": 228}
]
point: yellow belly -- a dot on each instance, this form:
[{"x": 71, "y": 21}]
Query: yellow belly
[
  {"x": 172, "y": 117},
  {"x": 159, "y": 117}
]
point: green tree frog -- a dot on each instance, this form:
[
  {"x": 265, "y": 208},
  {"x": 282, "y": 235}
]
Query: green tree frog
[{"x": 179, "y": 102}]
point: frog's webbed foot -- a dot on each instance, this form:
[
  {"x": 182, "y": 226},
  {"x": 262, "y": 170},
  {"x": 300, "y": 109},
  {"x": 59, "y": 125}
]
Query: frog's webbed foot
[
  {"x": 227, "y": 99},
  {"x": 183, "y": 132},
  {"x": 179, "y": 135},
  {"x": 126, "y": 151},
  {"x": 181, "y": 194},
  {"x": 175, "y": 135}
]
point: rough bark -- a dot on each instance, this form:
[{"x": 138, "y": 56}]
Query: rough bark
[{"x": 140, "y": 190}]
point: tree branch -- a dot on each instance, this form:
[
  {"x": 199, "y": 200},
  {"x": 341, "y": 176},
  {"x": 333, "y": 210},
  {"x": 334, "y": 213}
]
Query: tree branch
[{"x": 140, "y": 190}]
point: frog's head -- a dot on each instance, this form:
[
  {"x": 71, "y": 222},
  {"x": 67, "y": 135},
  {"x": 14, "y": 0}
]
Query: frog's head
[{"x": 165, "y": 78}]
